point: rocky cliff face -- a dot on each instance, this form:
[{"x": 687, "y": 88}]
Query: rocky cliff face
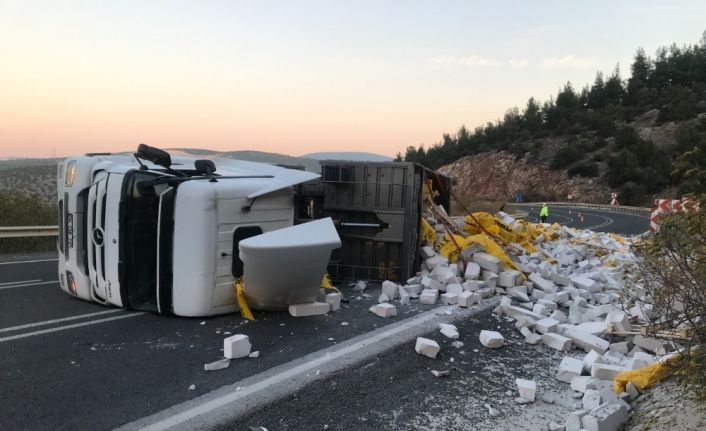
[{"x": 499, "y": 175}]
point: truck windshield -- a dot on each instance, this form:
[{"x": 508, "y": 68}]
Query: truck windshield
[{"x": 141, "y": 241}]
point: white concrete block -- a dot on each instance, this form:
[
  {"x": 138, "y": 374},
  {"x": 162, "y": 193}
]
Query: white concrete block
[
  {"x": 472, "y": 271},
  {"x": 404, "y": 296},
  {"x": 488, "y": 262},
  {"x": 621, "y": 347},
  {"x": 508, "y": 278},
  {"x": 533, "y": 338},
  {"x": 236, "y": 346},
  {"x": 568, "y": 369},
  {"x": 449, "y": 330},
  {"x": 426, "y": 347},
  {"x": 429, "y": 296},
  {"x": 390, "y": 289},
  {"x": 217, "y": 365},
  {"x": 517, "y": 312},
  {"x": 526, "y": 388},
  {"x": 541, "y": 309},
  {"x": 583, "y": 282},
  {"x": 383, "y": 298},
  {"x": 454, "y": 288},
  {"x": 546, "y": 325},
  {"x": 466, "y": 299},
  {"x": 582, "y": 383},
  {"x": 542, "y": 284},
  {"x": 632, "y": 390},
  {"x": 384, "y": 310},
  {"x": 559, "y": 316},
  {"x": 593, "y": 328},
  {"x": 557, "y": 342},
  {"x": 434, "y": 261},
  {"x": 334, "y": 298},
  {"x": 606, "y": 417},
  {"x": 640, "y": 360},
  {"x": 309, "y": 309},
  {"x": 518, "y": 292},
  {"x": 490, "y": 278},
  {"x": 426, "y": 252},
  {"x": 430, "y": 283},
  {"x": 591, "y": 358},
  {"x": 591, "y": 399},
  {"x": 491, "y": 339},
  {"x": 414, "y": 289},
  {"x": 587, "y": 341},
  {"x": 573, "y": 420},
  {"x": 605, "y": 371},
  {"x": 449, "y": 298}
]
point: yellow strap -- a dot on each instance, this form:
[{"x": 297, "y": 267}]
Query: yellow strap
[
  {"x": 326, "y": 283},
  {"x": 242, "y": 303}
]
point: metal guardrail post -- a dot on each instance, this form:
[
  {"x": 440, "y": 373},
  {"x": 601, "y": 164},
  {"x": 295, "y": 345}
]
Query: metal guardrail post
[{"x": 28, "y": 231}]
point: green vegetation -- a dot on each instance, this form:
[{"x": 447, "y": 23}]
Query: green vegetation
[
  {"x": 672, "y": 273},
  {"x": 597, "y": 126},
  {"x": 26, "y": 210}
]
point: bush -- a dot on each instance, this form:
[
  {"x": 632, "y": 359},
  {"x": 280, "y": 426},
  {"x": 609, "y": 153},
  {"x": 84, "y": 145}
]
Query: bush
[
  {"x": 584, "y": 169},
  {"x": 26, "y": 210},
  {"x": 672, "y": 278}
]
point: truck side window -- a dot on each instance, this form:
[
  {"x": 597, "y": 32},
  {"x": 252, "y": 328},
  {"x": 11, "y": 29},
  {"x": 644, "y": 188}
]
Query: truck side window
[{"x": 240, "y": 234}]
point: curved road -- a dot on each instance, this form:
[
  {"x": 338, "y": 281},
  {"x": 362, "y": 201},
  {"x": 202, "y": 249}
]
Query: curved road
[
  {"x": 594, "y": 219},
  {"x": 70, "y": 364}
]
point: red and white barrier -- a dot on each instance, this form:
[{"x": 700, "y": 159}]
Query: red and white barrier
[{"x": 666, "y": 206}]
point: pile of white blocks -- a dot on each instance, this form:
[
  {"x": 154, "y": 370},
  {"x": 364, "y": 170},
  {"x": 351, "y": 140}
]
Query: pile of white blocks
[{"x": 566, "y": 295}]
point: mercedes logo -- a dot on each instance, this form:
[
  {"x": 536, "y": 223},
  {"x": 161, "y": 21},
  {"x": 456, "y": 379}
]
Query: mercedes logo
[{"x": 98, "y": 237}]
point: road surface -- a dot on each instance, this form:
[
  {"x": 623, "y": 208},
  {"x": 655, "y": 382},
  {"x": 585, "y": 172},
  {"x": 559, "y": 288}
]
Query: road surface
[{"x": 70, "y": 364}]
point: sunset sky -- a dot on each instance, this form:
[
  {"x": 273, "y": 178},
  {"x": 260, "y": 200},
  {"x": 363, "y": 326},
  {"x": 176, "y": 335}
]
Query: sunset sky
[{"x": 300, "y": 76}]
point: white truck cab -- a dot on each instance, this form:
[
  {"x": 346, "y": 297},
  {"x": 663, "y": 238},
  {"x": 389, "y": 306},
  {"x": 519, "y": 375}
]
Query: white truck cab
[{"x": 149, "y": 232}]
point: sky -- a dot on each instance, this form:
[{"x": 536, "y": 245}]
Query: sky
[{"x": 301, "y": 76}]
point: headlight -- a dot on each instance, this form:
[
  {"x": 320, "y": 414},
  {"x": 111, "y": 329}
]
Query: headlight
[
  {"x": 70, "y": 173},
  {"x": 71, "y": 283}
]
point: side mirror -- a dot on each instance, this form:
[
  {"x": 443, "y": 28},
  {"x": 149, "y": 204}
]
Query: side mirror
[
  {"x": 154, "y": 155},
  {"x": 206, "y": 167}
]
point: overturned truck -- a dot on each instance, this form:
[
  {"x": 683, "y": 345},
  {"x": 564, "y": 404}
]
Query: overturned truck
[{"x": 172, "y": 235}]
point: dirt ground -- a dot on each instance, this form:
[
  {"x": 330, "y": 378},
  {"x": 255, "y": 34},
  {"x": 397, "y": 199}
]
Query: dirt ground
[{"x": 668, "y": 407}]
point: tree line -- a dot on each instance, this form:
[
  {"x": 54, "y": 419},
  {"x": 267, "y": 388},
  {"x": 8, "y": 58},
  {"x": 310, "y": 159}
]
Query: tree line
[{"x": 593, "y": 125}]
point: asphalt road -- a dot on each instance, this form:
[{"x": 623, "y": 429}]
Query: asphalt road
[{"x": 70, "y": 364}]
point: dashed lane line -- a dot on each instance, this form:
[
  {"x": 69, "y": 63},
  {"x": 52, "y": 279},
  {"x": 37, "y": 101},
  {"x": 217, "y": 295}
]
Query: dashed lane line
[
  {"x": 28, "y": 284},
  {"x": 53, "y": 321},
  {"x": 9, "y": 283},
  {"x": 28, "y": 261},
  {"x": 66, "y": 327}
]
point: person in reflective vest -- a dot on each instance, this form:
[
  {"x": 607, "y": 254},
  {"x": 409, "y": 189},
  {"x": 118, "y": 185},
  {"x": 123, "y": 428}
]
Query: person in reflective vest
[{"x": 544, "y": 213}]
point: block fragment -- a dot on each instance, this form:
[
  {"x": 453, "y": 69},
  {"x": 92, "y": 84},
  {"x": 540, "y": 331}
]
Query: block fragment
[
  {"x": 605, "y": 371},
  {"x": 587, "y": 341},
  {"x": 449, "y": 298},
  {"x": 491, "y": 339},
  {"x": 526, "y": 388},
  {"x": 557, "y": 342},
  {"x": 508, "y": 278},
  {"x": 334, "y": 299},
  {"x": 449, "y": 330},
  {"x": 568, "y": 369},
  {"x": 546, "y": 325},
  {"x": 384, "y": 310},
  {"x": 426, "y": 347},
  {"x": 591, "y": 358},
  {"x": 573, "y": 421},
  {"x": 429, "y": 296},
  {"x": 309, "y": 309},
  {"x": 591, "y": 399},
  {"x": 606, "y": 417},
  {"x": 236, "y": 346},
  {"x": 488, "y": 262},
  {"x": 390, "y": 289},
  {"x": 466, "y": 299},
  {"x": 542, "y": 284},
  {"x": 472, "y": 271},
  {"x": 582, "y": 383}
]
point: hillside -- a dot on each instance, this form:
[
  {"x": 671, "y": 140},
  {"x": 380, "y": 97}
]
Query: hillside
[{"x": 643, "y": 137}]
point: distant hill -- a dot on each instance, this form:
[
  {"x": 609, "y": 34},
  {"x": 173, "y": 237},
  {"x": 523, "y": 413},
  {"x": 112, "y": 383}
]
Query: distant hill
[
  {"x": 252, "y": 156},
  {"x": 357, "y": 156}
]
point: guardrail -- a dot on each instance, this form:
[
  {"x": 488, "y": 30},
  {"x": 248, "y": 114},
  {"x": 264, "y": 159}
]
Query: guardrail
[
  {"x": 28, "y": 231},
  {"x": 615, "y": 208}
]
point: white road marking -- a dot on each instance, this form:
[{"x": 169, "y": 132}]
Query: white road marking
[
  {"x": 18, "y": 282},
  {"x": 293, "y": 373},
  {"x": 29, "y": 261},
  {"x": 64, "y": 328},
  {"x": 608, "y": 221},
  {"x": 29, "y": 284},
  {"x": 63, "y": 319}
]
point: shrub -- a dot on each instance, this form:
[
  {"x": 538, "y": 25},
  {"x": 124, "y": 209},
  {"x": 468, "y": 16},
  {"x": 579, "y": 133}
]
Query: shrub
[
  {"x": 672, "y": 272},
  {"x": 584, "y": 169}
]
